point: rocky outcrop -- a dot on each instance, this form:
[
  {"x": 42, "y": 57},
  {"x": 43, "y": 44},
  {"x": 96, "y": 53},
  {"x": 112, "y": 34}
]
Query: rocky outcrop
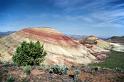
[
  {"x": 98, "y": 47},
  {"x": 61, "y": 49},
  {"x": 93, "y": 40}
]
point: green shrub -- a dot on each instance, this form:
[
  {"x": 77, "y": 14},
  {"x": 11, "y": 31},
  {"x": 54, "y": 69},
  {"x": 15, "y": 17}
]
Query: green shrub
[
  {"x": 29, "y": 54},
  {"x": 10, "y": 79},
  {"x": 58, "y": 69},
  {"x": 27, "y": 69}
]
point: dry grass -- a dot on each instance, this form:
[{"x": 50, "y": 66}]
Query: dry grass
[{"x": 40, "y": 75}]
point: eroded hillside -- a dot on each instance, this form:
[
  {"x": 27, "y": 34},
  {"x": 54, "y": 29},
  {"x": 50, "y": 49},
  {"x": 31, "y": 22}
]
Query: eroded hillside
[{"x": 61, "y": 49}]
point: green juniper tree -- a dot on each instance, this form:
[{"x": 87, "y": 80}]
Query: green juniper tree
[{"x": 29, "y": 54}]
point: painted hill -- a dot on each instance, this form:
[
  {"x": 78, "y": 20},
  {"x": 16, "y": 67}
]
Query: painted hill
[{"x": 61, "y": 49}]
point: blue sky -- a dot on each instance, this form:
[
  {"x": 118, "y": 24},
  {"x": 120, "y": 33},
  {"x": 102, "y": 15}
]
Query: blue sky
[{"x": 84, "y": 17}]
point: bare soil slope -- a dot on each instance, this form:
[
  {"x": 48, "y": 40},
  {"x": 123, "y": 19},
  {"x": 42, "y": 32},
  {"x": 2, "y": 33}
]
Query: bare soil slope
[{"x": 61, "y": 49}]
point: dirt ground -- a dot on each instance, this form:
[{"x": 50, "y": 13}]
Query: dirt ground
[{"x": 39, "y": 75}]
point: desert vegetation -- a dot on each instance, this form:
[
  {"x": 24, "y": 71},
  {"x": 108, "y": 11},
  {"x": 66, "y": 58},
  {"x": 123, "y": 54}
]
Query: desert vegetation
[
  {"x": 115, "y": 61},
  {"x": 29, "y": 54},
  {"x": 57, "y": 73},
  {"x": 13, "y": 72}
]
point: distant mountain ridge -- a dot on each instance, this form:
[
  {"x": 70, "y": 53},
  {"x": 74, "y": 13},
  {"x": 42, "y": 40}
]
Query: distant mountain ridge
[
  {"x": 117, "y": 39},
  {"x": 79, "y": 37},
  {"x": 6, "y": 33}
]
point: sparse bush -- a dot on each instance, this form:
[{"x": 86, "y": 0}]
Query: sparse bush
[
  {"x": 10, "y": 79},
  {"x": 118, "y": 69},
  {"x": 25, "y": 80},
  {"x": 27, "y": 69},
  {"x": 29, "y": 54},
  {"x": 58, "y": 69},
  {"x": 77, "y": 71},
  {"x": 43, "y": 67},
  {"x": 8, "y": 64},
  {"x": 5, "y": 64}
]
